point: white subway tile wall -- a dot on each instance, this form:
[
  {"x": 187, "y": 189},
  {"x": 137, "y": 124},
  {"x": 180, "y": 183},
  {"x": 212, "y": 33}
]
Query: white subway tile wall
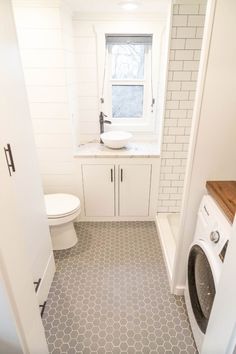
[
  {"x": 46, "y": 43},
  {"x": 185, "y": 48}
]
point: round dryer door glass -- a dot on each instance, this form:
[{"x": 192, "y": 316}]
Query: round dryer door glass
[{"x": 201, "y": 286}]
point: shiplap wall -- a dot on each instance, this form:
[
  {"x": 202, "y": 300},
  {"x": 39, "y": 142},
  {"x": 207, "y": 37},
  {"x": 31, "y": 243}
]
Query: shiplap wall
[
  {"x": 185, "y": 48},
  {"x": 46, "y": 45},
  {"x": 86, "y": 66}
]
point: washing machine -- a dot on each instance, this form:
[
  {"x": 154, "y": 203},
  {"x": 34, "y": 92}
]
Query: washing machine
[{"x": 205, "y": 260}]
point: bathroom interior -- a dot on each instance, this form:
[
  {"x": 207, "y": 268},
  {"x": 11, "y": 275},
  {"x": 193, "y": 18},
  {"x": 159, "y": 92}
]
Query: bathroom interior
[{"x": 118, "y": 173}]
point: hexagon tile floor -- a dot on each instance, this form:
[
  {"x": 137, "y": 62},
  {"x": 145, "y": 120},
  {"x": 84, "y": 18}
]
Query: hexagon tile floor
[{"x": 111, "y": 295}]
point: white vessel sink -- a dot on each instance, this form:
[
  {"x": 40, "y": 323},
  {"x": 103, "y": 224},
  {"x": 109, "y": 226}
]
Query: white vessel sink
[{"x": 116, "y": 139}]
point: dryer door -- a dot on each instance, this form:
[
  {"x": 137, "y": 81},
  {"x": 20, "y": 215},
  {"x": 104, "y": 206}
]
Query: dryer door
[{"x": 201, "y": 285}]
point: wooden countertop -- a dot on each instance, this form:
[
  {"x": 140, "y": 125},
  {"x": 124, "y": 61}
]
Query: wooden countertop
[{"x": 224, "y": 193}]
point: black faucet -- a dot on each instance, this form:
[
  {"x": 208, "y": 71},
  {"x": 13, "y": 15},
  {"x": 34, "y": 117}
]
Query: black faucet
[{"x": 102, "y": 121}]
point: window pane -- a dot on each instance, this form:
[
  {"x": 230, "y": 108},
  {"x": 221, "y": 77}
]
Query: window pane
[
  {"x": 128, "y": 61},
  {"x": 127, "y": 101}
]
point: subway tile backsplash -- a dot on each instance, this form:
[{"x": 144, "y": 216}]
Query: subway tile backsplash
[{"x": 185, "y": 48}]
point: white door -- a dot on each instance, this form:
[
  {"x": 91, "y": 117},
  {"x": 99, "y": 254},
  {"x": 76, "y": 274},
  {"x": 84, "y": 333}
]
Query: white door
[
  {"x": 16, "y": 130},
  {"x": 17, "y": 334},
  {"x": 9, "y": 337},
  {"x": 134, "y": 190},
  {"x": 99, "y": 190},
  {"x": 23, "y": 221}
]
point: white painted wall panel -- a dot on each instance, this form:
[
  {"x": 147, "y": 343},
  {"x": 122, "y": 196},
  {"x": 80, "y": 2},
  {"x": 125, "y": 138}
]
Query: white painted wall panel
[
  {"x": 39, "y": 38},
  {"x": 46, "y": 43},
  {"x": 45, "y": 110},
  {"x": 42, "y": 58},
  {"x": 47, "y": 94},
  {"x": 53, "y": 141},
  {"x": 45, "y": 77},
  {"x": 37, "y": 18}
]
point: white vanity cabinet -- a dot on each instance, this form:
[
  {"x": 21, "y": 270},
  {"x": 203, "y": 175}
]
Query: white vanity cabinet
[{"x": 118, "y": 188}]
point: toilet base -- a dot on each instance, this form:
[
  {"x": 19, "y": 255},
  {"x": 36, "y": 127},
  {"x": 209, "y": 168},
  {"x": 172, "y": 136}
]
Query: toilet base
[{"x": 63, "y": 236}]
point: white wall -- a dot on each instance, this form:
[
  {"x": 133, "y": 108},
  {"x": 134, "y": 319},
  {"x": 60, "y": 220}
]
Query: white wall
[
  {"x": 70, "y": 67},
  {"x": 86, "y": 63},
  {"x": 185, "y": 48},
  {"x": 46, "y": 46},
  {"x": 213, "y": 146}
]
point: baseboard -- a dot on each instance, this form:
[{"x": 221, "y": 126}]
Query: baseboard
[
  {"x": 46, "y": 280},
  {"x": 160, "y": 231},
  {"x": 168, "y": 250},
  {"x": 114, "y": 218}
]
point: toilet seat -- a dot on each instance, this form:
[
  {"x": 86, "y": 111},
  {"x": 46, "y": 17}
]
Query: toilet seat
[
  {"x": 62, "y": 210},
  {"x": 63, "y": 215},
  {"x": 61, "y": 205}
]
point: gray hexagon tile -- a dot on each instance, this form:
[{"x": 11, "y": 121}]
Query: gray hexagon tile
[{"x": 110, "y": 294}]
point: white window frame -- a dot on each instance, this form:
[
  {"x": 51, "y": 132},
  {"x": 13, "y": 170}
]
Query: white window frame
[
  {"x": 148, "y": 122},
  {"x": 146, "y": 83}
]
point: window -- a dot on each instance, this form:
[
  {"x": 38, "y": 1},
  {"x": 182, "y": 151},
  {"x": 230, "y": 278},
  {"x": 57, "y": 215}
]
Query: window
[
  {"x": 132, "y": 68},
  {"x": 128, "y": 78}
]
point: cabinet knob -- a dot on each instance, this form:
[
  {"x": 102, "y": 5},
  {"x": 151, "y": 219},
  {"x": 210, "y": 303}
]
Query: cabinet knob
[{"x": 42, "y": 307}]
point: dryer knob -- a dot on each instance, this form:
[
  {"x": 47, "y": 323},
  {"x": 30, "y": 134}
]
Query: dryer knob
[{"x": 215, "y": 236}]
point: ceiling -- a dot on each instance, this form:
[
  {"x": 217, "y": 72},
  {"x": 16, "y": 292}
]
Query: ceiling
[{"x": 112, "y": 6}]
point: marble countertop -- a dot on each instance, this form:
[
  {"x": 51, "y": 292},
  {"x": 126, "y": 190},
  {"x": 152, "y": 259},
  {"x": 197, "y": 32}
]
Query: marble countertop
[{"x": 134, "y": 149}]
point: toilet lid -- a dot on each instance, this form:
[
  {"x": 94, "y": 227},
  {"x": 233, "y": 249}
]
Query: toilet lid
[{"x": 61, "y": 204}]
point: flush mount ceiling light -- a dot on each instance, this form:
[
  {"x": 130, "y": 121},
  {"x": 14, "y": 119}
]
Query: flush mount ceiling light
[{"x": 129, "y": 5}]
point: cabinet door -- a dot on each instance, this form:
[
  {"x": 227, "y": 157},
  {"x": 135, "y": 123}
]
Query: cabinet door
[
  {"x": 134, "y": 190},
  {"x": 99, "y": 190}
]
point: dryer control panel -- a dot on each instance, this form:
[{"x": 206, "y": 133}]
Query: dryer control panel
[{"x": 213, "y": 227}]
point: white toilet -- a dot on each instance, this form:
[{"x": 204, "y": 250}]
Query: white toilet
[{"x": 62, "y": 210}]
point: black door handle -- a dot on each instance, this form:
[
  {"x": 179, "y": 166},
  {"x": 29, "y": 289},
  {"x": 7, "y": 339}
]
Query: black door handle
[
  {"x": 37, "y": 283},
  {"x": 112, "y": 175},
  {"x": 9, "y": 159},
  {"x": 42, "y": 308},
  {"x": 121, "y": 175}
]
